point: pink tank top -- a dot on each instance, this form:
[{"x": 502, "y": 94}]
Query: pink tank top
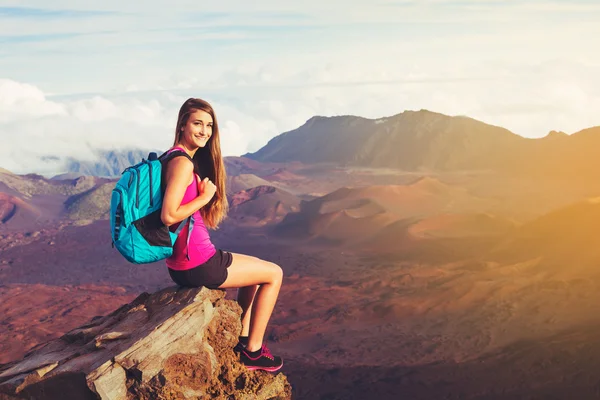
[{"x": 200, "y": 248}]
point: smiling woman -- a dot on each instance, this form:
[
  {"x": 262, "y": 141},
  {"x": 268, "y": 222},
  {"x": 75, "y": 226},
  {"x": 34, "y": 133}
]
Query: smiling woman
[{"x": 195, "y": 196}]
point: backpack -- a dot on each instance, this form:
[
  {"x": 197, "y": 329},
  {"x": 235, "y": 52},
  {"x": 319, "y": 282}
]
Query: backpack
[{"x": 137, "y": 230}]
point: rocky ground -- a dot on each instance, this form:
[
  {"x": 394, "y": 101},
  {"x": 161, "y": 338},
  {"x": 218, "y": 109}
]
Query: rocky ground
[{"x": 173, "y": 344}]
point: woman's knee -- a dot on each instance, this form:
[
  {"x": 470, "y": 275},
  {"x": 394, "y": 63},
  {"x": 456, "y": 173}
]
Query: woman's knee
[{"x": 276, "y": 273}]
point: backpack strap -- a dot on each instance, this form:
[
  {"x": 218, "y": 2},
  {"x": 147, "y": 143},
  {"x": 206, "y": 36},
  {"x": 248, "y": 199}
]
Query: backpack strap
[
  {"x": 180, "y": 227},
  {"x": 171, "y": 154},
  {"x": 164, "y": 160}
]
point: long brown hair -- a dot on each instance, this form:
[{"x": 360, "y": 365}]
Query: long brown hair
[{"x": 208, "y": 162}]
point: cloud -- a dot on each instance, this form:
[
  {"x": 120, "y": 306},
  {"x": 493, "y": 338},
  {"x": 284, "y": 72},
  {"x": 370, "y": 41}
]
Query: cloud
[
  {"x": 20, "y": 100},
  {"x": 39, "y": 134},
  {"x": 45, "y": 13},
  {"x": 256, "y": 102}
]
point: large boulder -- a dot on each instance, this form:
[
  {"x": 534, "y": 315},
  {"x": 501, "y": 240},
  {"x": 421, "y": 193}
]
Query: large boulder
[{"x": 174, "y": 344}]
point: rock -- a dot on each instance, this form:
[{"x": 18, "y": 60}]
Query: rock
[
  {"x": 85, "y": 182},
  {"x": 174, "y": 344}
]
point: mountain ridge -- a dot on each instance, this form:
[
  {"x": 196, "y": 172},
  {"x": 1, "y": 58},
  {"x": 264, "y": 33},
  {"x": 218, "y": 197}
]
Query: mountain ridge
[
  {"x": 428, "y": 141},
  {"x": 413, "y": 140}
]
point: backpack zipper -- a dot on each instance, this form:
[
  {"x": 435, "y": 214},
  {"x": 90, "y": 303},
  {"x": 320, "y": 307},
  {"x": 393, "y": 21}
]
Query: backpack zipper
[
  {"x": 130, "y": 178},
  {"x": 150, "y": 173},
  {"x": 137, "y": 189},
  {"x": 118, "y": 215}
]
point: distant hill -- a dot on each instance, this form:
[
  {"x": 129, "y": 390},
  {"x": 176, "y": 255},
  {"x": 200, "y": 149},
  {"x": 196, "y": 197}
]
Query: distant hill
[
  {"x": 31, "y": 184},
  {"x": 352, "y": 215},
  {"x": 28, "y": 201},
  {"x": 558, "y": 155},
  {"x": 261, "y": 205},
  {"x": 423, "y": 197},
  {"x": 67, "y": 176},
  {"x": 240, "y": 182},
  {"x": 566, "y": 239},
  {"x": 17, "y": 212},
  {"x": 411, "y": 140},
  {"x": 429, "y": 141},
  {"x": 91, "y": 205},
  {"x": 108, "y": 163}
]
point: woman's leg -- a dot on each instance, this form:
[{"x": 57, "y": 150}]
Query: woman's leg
[
  {"x": 247, "y": 271},
  {"x": 245, "y": 297}
]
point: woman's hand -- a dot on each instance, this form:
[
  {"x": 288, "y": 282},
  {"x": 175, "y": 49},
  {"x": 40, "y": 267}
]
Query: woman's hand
[{"x": 206, "y": 188}]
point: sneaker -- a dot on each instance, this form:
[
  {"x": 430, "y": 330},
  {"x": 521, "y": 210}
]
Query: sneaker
[{"x": 261, "y": 359}]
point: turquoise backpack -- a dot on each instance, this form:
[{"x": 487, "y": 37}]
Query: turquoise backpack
[{"x": 135, "y": 206}]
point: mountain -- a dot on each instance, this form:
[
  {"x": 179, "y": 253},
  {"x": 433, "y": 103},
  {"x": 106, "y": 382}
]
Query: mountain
[
  {"x": 429, "y": 141},
  {"x": 108, "y": 163},
  {"x": 556, "y": 135},
  {"x": 91, "y": 205},
  {"x": 16, "y": 211},
  {"x": 411, "y": 140},
  {"x": 31, "y": 185},
  {"x": 30, "y": 201},
  {"x": 558, "y": 155}
]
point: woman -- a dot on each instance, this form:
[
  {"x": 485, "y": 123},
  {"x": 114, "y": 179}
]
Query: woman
[{"x": 195, "y": 186}]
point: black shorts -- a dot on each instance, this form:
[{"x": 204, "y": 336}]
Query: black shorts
[{"x": 211, "y": 274}]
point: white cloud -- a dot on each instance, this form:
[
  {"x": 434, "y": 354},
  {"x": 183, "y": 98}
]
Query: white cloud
[
  {"x": 253, "y": 106},
  {"x": 21, "y": 100}
]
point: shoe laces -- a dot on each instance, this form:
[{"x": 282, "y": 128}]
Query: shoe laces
[{"x": 264, "y": 351}]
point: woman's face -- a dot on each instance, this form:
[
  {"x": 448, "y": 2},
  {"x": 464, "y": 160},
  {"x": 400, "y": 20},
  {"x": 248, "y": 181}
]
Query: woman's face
[{"x": 198, "y": 129}]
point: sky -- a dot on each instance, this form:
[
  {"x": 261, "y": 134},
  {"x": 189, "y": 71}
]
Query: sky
[{"x": 78, "y": 77}]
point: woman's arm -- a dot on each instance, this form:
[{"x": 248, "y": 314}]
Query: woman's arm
[{"x": 177, "y": 176}]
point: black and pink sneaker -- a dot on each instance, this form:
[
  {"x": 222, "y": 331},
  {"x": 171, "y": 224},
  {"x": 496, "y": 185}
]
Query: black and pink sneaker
[{"x": 261, "y": 359}]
